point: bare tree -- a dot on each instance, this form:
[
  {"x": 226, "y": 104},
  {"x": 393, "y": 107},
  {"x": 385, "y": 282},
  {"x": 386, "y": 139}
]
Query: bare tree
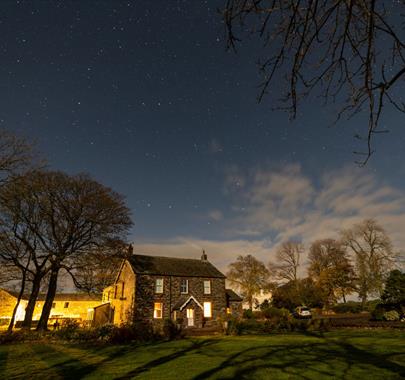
[
  {"x": 352, "y": 51},
  {"x": 69, "y": 217},
  {"x": 288, "y": 257},
  {"x": 373, "y": 254},
  {"x": 249, "y": 275},
  {"x": 16, "y": 155},
  {"x": 19, "y": 245},
  {"x": 330, "y": 267},
  {"x": 93, "y": 272}
]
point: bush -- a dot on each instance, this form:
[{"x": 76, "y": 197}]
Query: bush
[
  {"x": 378, "y": 313},
  {"x": 172, "y": 330},
  {"x": 122, "y": 334},
  {"x": 248, "y": 314},
  {"x": 273, "y": 312},
  {"x": 68, "y": 330},
  {"x": 20, "y": 336},
  {"x": 348, "y": 307},
  {"x": 234, "y": 326},
  {"x": 391, "y": 315}
]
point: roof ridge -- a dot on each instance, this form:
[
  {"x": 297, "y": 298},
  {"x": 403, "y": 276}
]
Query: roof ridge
[{"x": 166, "y": 257}]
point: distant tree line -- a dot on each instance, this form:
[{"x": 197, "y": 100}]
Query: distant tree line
[
  {"x": 358, "y": 262},
  {"x": 53, "y": 223}
]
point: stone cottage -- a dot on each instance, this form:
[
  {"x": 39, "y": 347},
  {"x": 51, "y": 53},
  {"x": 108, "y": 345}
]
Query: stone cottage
[
  {"x": 77, "y": 306},
  {"x": 152, "y": 289}
]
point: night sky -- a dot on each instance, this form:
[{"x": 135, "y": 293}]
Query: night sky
[{"x": 145, "y": 97}]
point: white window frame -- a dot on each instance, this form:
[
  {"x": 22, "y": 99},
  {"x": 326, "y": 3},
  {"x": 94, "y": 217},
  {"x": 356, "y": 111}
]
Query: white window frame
[
  {"x": 156, "y": 315},
  {"x": 159, "y": 287},
  {"x": 207, "y": 309},
  {"x": 207, "y": 289},
  {"x": 181, "y": 286}
]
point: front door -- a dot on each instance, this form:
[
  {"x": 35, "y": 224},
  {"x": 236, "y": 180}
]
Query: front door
[{"x": 190, "y": 317}]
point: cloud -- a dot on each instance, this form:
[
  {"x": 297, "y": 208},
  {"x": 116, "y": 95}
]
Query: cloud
[
  {"x": 287, "y": 204},
  {"x": 220, "y": 253},
  {"x": 269, "y": 206},
  {"x": 215, "y": 215},
  {"x": 215, "y": 146}
]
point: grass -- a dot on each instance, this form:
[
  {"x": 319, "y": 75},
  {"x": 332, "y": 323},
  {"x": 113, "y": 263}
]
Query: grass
[{"x": 345, "y": 354}]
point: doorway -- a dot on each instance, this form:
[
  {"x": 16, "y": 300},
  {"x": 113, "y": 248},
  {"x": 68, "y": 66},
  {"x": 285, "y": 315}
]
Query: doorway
[{"x": 190, "y": 317}]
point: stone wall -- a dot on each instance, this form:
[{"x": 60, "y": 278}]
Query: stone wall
[
  {"x": 7, "y": 304},
  {"x": 146, "y": 297},
  {"x": 62, "y": 308},
  {"x": 121, "y": 295}
]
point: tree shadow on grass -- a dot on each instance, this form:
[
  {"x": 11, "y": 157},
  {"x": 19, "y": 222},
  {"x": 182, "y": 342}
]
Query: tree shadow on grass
[
  {"x": 68, "y": 367},
  {"x": 3, "y": 360},
  {"x": 195, "y": 346},
  {"x": 302, "y": 361}
]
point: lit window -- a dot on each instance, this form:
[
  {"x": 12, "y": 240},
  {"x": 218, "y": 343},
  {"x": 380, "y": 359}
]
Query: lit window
[
  {"x": 53, "y": 305},
  {"x": 207, "y": 287},
  {"x": 174, "y": 315},
  {"x": 184, "y": 286},
  {"x": 207, "y": 310},
  {"x": 66, "y": 305},
  {"x": 228, "y": 310},
  {"x": 157, "y": 310},
  {"x": 159, "y": 285}
]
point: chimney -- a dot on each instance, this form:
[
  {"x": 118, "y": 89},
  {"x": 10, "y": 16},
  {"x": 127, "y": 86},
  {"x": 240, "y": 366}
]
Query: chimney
[
  {"x": 130, "y": 249},
  {"x": 204, "y": 256}
]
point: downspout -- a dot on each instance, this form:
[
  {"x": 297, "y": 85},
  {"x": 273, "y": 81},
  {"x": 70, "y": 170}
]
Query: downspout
[{"x": 170, "y": 296}]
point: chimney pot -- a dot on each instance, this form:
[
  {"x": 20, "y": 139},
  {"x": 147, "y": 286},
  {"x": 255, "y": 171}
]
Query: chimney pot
[{"x": 204, "y": 256}]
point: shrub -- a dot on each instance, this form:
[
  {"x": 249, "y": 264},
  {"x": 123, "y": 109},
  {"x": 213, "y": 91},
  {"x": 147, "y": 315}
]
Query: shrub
[
  {"x": 20, "y": 336},
  {"x": 272, "y": 312},
  {"x": 122, "y": 334},
  {"x": 103, "y": 332},
  {"x": 234, "y": 326},
  {"x": 248, "y": 314},
  {"x": 348, "y": 307},
  {"x": 68, "y": 330},
  {"x": 172, "y": 330},
  {"x": 391, "y": 315}
]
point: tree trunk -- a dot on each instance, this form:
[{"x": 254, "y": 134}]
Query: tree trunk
[
  {"x": 20, "y": 295},
  {"x": 50, "y": 296},
  {"x": 29, "y": 311},
  {"x": 344, "y": 297},
  {"x": 363, "y": 302}
]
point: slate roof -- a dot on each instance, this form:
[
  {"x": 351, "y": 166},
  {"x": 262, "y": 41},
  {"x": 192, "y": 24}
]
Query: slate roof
[
  {"x": 60, "y": 296},
  {"x": 171, "y": 266},
  {"x": 232, "y": 296},
  {"x": 72, "y": 297}
]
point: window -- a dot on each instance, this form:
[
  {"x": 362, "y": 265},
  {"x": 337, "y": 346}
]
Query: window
[
  {"x": 122, "y": 289},
  {"x": 184, "y": 286},
  {"x": 228, "y": 310},
  {"x": 158, "y": 310},
  {"x": 115, "y": 291},
  {"x": 66, "y": 305},
  {"x": 207, "y": 287},
  {"x": 175, "y": 315},
  {"x": 207, "y": 310},
  {"x": 53, "y": 305},
  {"x": 159, "y": 285}
]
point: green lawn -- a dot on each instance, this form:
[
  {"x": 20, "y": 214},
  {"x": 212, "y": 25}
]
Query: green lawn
[{"x": 368, "y": 354}]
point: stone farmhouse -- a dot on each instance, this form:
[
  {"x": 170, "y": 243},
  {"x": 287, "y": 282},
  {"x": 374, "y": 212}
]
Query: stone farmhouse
[
  {"x": 152, "y": 289},
  {"x": 78, "y": 306}
]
